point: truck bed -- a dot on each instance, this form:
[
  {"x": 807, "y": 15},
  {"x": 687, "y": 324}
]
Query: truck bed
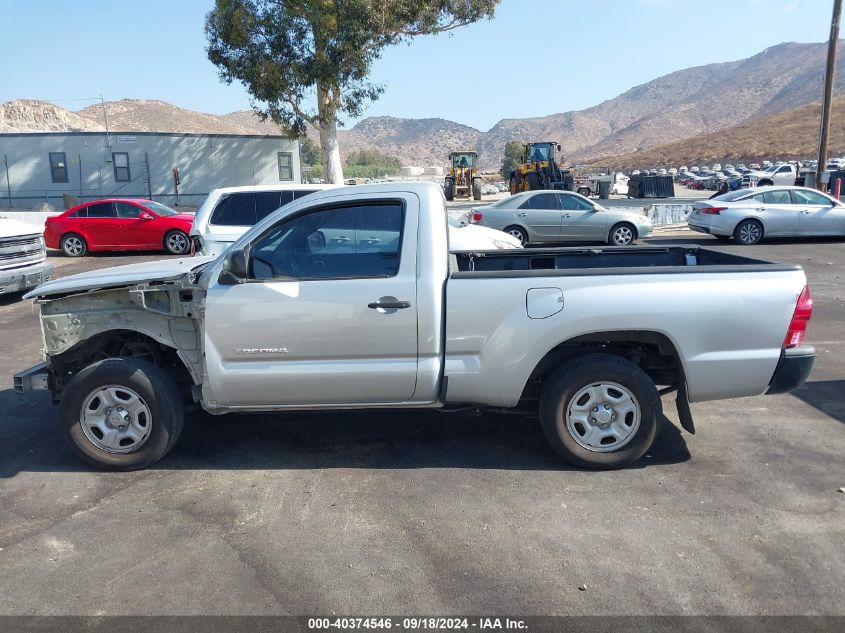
[{"x": 596, "y": 261}]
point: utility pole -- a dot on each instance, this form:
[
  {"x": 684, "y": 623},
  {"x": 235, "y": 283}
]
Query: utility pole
[
  {"x": 106, "y": 119},
  {"x": 828, "y": 90}
]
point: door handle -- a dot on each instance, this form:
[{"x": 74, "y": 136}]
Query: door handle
[
  {"x": 805, "y": 212},
  {"x": 522, "y": 215},
  {"x": 389, "y": 305},
  {"x": 566, "y": 215}
]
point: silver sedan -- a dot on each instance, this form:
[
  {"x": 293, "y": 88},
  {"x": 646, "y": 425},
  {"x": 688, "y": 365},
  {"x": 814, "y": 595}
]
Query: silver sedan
[
  {"x": 561, "y": 216},
  {"x": 748, "y": 215}
]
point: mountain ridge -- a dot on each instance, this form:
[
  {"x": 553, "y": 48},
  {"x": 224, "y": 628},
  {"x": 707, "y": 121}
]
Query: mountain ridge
[{"x": 680, "y": 105}]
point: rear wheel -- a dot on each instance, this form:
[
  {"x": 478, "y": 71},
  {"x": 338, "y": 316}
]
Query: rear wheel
[
  {"x": 519, "y": 233},
  {"x": 512, "y": 185},
  {"x": 622, "y": 234},
  {"x": 584, "y": 191},
  {"x": 73, "y": 245},
  {"x": 176, "y": 242},
  {"x": 764, "y": 183},
  {"x": 748, "y": 232},
  {"x": 600, "y": 411},
  {"x": 121, "y": 414}
]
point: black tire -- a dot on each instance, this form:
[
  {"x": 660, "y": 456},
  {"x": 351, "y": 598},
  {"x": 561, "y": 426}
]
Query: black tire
[
  {"x": 519, "y": 233},
  {"x": 513, "y": 185},
  {"x": 584, "y": 191},
  {"x": 532, "y": 181},
  {"x": 764, "y": 183},
  {"x": 176, "y": 242},
  {"x": 476, "y": 189},
  {"x": 73, "y": 245},
  {"x": 748, "y": 232},
  {"x": 622, "y": 234},
  {"x": 449, "y": 190},
  {"x": 581, "y": 372},
  {"x": 158, "y": 392}
]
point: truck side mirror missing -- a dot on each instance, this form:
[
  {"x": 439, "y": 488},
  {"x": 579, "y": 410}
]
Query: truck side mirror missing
[{"x": 234, "y": 268}]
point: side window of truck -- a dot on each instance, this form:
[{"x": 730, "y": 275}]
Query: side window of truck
[{"x": 354, "y": 241}]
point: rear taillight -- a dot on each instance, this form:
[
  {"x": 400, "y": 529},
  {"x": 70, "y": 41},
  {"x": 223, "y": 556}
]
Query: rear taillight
[
  {"x": 713, "y": 210},
  {"x": 476, "y": 217},
  {"x": 798, "y": 325}
]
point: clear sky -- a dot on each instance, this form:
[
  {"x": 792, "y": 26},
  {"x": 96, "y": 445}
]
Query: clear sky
[{"x": 536, "y": 57}]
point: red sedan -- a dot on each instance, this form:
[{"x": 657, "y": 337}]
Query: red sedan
[{"x": 119, "y": 224}]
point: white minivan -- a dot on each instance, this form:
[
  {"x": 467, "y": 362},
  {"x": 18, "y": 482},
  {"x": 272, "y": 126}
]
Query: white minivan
[{"x": 228, "y": 212}]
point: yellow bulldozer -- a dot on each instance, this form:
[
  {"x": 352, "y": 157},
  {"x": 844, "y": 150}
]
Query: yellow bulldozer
[
  {"x": 463, "y": 180},
  {"x": 538, "y": 169}
]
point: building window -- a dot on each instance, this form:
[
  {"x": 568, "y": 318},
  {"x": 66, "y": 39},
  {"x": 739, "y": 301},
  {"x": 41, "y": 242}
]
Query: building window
[
  {"x": 58, "y": 166},
  {"x": 285, "y": 166},
  {"x": 121, "y": 166}
]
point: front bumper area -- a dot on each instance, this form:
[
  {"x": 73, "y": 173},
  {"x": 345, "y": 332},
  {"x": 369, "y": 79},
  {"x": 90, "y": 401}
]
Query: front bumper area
[
  {"x": 35, "y": 378},
  {"x": 793, "y": 368},
  {"x": 24, "y": 278}
]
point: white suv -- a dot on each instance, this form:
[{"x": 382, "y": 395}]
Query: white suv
[{"x": 227, "y": 213}]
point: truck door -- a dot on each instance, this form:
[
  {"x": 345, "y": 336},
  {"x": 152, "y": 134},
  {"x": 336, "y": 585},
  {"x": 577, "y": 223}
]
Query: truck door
[{"x": 328, "y": 314}]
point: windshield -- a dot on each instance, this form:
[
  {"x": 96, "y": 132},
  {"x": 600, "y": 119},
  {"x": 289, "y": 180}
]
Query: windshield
[
  {"x": 463, "y": 160},
  {"x": 507, "y": 203},
  {"x": 160, "y": 209},
  {"x": 773, "y": 168},
  {"x": 739, "y": 194}
]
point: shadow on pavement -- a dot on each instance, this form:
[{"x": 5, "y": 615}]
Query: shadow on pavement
[
  {"x": 403, "y": 439},
  {"x": 824, "y": 395}
]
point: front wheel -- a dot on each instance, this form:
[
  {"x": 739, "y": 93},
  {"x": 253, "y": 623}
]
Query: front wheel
[
  {"x": 748, "y": 232},
  {"x": 121, "y": 414},
  {"x": 476, "y": 189},
  {"x": 176, "y": 242},
  {"x": 449, "y": 190},
  {"x": 600, "y": 411},
  {"x": 519, "y": 233},
  {"x": 622, "y": 234}
]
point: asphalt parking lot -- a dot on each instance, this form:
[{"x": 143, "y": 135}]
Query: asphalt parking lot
[{"x": 426, "y": 513}]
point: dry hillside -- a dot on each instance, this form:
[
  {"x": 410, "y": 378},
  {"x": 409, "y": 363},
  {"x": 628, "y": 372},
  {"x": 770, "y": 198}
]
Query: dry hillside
[{"x": 790, "y": 134}]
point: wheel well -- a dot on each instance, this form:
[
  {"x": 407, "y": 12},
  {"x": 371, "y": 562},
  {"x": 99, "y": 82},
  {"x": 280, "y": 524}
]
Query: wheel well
[
  {"x": 653, "y": 352},
  {"x": 118, "y": 344},
  {"x": 625, "y": 222}
]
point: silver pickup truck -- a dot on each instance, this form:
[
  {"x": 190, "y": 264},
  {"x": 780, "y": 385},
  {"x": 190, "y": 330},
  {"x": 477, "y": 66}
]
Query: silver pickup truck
[{"x": 350, "y": 299}]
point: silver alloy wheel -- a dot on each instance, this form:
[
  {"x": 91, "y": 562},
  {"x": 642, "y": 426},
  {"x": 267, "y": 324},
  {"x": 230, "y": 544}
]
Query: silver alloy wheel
[
  {"x": 749, "y": 233},
  {"x": 603, "y": 417},
  {"x": 518, "y": 234},
  {"x": 73, "y": 245},
  {"x": 115, "y": 419},
  {"x": 177, "y": 243},
  {"x": 623, "y": 236}
]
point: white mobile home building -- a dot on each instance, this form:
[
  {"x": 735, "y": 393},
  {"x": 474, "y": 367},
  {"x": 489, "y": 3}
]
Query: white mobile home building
[{"x": 172, "y": 168}]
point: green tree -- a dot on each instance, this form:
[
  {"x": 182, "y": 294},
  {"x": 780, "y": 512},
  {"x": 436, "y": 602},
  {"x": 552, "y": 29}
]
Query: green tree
[
  {"x": 309, "y": 153},
  {"x": 370, "y": 163},
  {"x": 288, "y": 53},
  {"x": 513, "y": 154}
]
